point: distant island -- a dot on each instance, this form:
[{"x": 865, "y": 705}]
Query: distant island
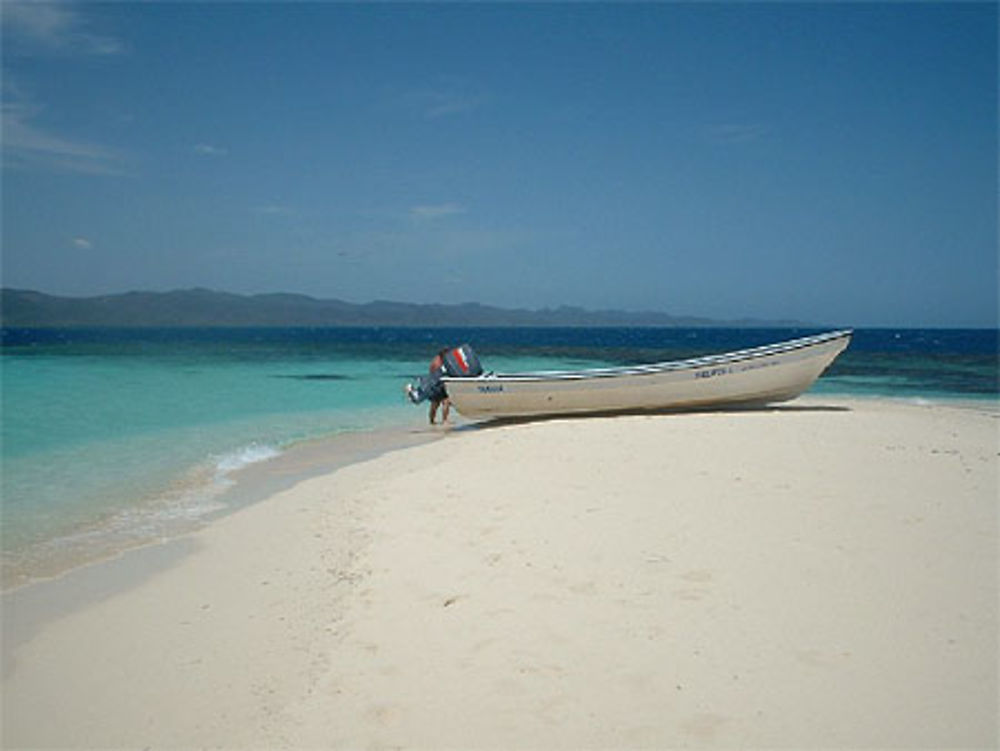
[{"x": 209, "y": 308}]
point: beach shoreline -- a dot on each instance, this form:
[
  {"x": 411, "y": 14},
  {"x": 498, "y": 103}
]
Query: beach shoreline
[
  {"x": 312, "y": 457},
  {"x": 643, "y": 580},
  {"x": 211, "y": 498}
]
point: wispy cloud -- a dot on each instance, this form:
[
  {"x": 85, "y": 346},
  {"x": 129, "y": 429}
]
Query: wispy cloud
[
  {"x": 27, "y": 145},
  {"x": 50, "y": 29},
  {"x": 207, "y": 149},
  {"x": 446, "y": 98},
  {"x": 83, "y": 243},
  {"x": 435, "y": 104},
  {"x": 734, "y": 133},
  {"x": 435, "y": 211},
  {"x": 56, "y": 28}
]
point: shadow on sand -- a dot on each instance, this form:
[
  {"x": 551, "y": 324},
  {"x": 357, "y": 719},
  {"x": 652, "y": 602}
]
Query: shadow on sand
[{"x": 498, "y": 422}]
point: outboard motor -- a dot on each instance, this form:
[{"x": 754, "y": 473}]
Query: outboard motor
[{"x": 460, "y": 362}]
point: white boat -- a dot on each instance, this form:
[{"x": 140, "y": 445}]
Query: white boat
[{"x": 762, "y": 375}]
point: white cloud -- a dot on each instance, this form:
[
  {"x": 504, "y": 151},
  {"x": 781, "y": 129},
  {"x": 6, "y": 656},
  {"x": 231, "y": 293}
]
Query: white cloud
[
  {"x": 436, "y": 211},
  {"x": 207, "y": 149},
  {"x": 736, "y": 132},
  {"x": 27, "y": 145},
  {"x": 82, "y": 243},
  {"x": 451, "y": 96},
  {"x": 53, "y": 28},
  {"x": 56, "y": 28},
  {"x": 441, "y": 104}
]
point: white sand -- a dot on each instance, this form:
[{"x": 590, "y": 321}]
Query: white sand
[{"x": 795, "y": 578}]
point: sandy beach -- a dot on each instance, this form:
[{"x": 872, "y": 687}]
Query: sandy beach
[{"x": 824, "y": 574}]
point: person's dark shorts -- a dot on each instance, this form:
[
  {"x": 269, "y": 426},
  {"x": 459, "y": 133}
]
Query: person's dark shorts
[{"x": 437, "y": 393}]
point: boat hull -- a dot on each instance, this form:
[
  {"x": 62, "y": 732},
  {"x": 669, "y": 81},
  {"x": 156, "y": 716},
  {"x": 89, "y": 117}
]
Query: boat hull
[{"x": 762, "y": 375}]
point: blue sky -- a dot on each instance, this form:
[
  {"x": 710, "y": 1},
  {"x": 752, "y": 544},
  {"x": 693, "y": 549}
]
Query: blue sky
[{"x": 834, "y": 163}]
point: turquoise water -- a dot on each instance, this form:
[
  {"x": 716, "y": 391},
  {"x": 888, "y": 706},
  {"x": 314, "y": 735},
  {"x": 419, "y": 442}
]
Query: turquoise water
[
  {"x": 110, "y": 441},
  {"x": 115, "y": 438},
  {"x": 90, "y": 435}
]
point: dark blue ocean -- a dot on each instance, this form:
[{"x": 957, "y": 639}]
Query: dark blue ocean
[{"x": 111, "y": 438}]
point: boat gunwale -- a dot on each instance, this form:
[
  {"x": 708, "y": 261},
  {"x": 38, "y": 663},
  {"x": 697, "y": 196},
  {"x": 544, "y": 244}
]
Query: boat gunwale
[{"x": 742, "y": 355}]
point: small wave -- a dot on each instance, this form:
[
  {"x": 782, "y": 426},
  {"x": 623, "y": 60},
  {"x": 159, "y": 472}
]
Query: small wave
[
  {"x": 153, "y": 515},
  {"x": 243, "y": 457}
]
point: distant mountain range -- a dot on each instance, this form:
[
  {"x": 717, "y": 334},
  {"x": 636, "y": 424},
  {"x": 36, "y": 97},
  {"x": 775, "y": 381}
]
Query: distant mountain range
[{"x": 203, "y": 308}]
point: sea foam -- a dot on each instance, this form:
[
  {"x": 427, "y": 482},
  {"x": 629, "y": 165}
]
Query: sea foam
[{"x": 243, "y": 457}]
